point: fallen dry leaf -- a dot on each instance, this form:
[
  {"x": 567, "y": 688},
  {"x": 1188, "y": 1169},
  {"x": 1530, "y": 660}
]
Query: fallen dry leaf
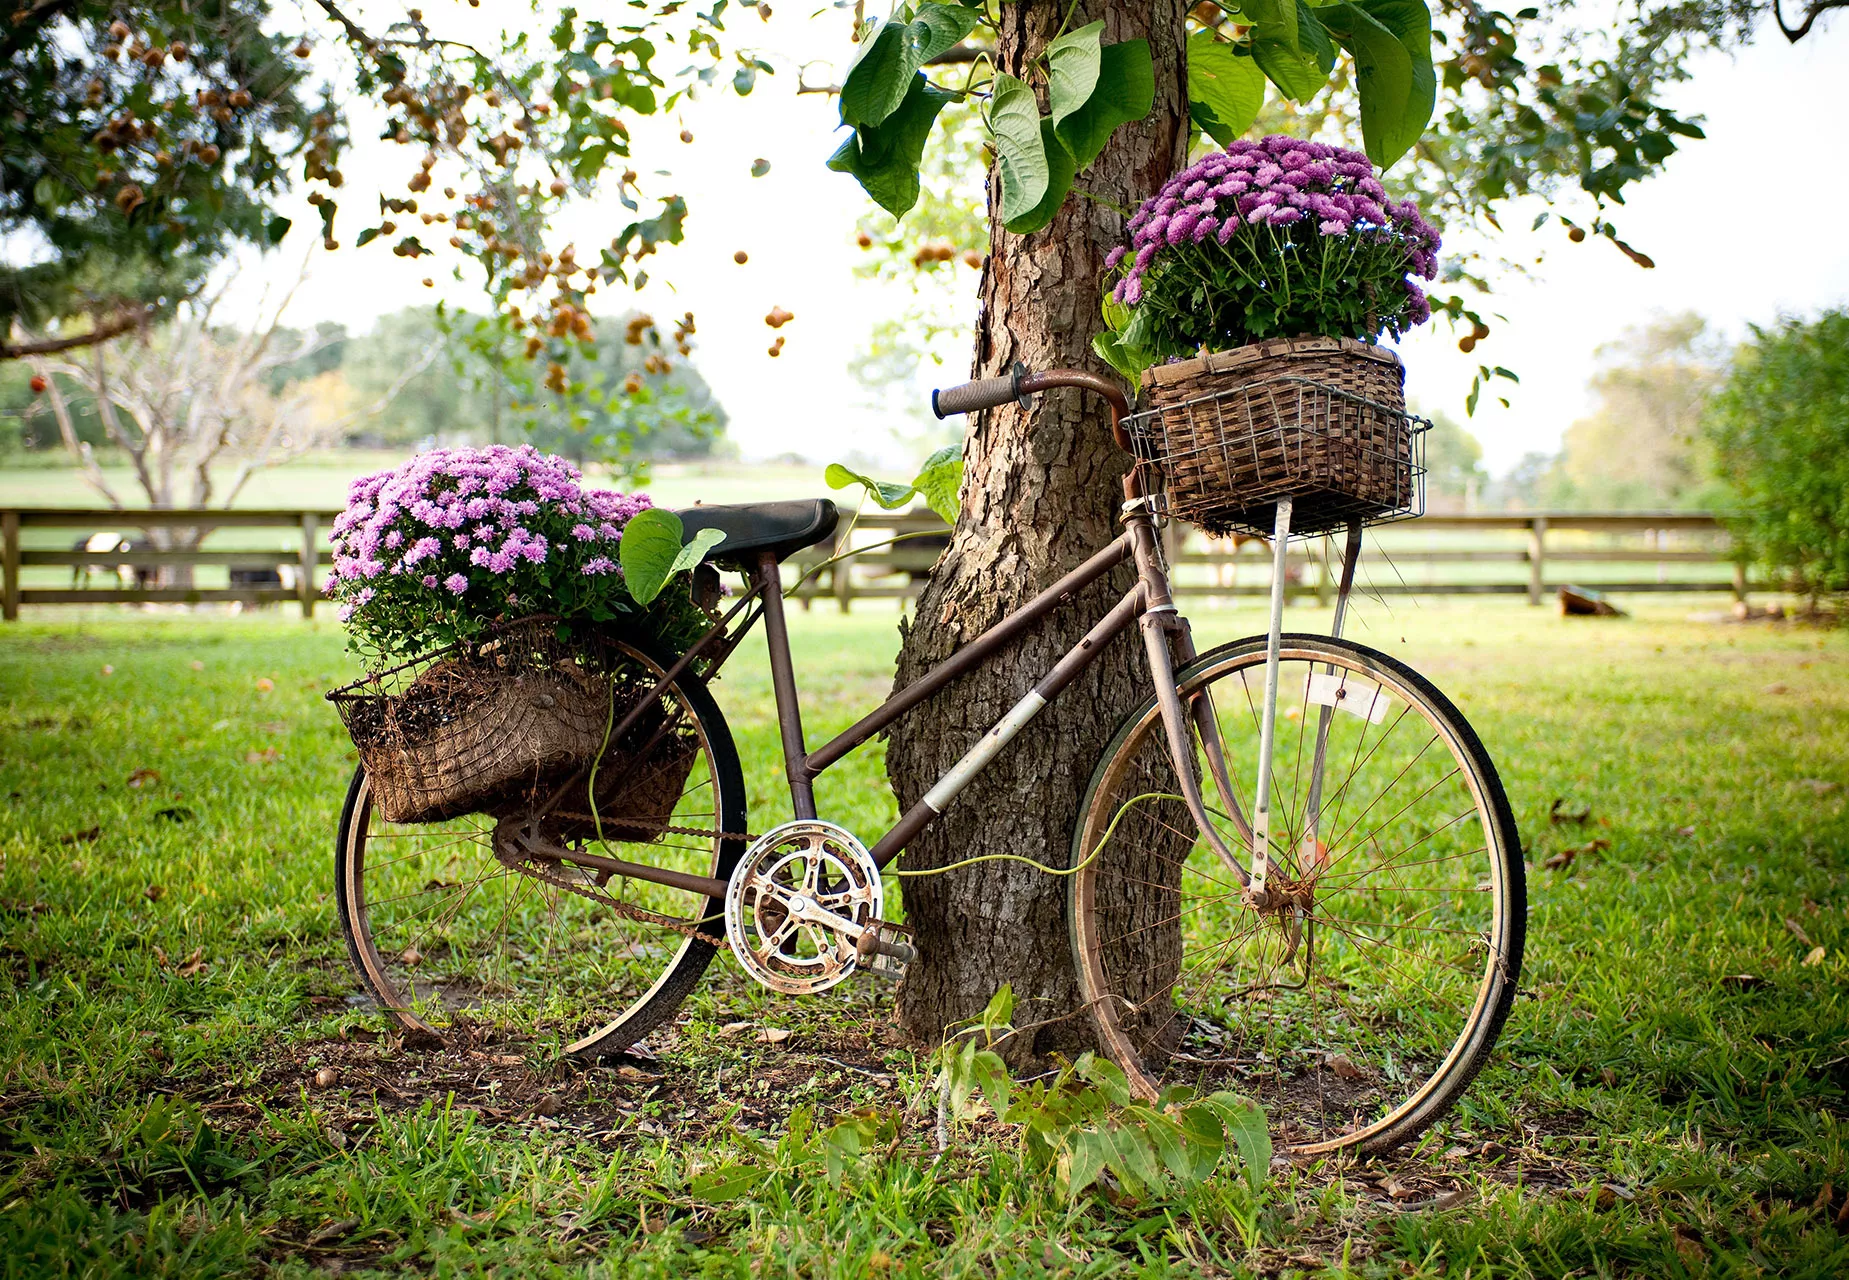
[
  {"x": 1777, "y": 686},
  {"x": 198, "y": 665},
  {"x": 332, "y": 1230},
  {"x": 773, "y": 1035},
  {"x": 1559, "y": 813},
  {"x": 1397, "y": 1189},
  {"x": 547, "y": 1105},
  {"x": 154, "y": 892},
  {"x": 1451, "y": 1199},
  {"x": 1817, "y": 785},
  {"x": 265, "y": 684},
  {"x": 88, "y": 835},
  {"x": 1343, "y": 1068},
  {"x": 1610, "y": 1077},
  {"x": 1815, "y": 957},
  {"x": 1688, "y": 1243},
  {"x": 142, "y": 777},
  {"x": 1564, "y": 859},
  {"x": 192, "y": 964},
  {"x": 1745, "y": 981},
  {"x": 108, "y": 670},
  {"x": 733, "y": 1028},
  {"x": 269, "y": 755},
  {"x": 326, "y": 1077}
]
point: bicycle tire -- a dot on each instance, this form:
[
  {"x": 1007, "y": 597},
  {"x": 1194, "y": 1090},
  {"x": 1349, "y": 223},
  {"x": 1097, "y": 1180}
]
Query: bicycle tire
[
  {"x": 653, "y": 1003},
  {"x": 1126, "y": 1001}
]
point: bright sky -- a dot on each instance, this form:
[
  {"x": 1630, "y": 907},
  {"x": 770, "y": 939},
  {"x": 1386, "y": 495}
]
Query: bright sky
[{"x": 1743, "y": 226}]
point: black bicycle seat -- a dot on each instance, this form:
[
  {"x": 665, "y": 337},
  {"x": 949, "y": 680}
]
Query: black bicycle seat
[{"x": 783, "y": 528}]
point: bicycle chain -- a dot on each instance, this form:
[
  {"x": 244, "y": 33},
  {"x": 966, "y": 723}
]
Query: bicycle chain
[{"x": 629, "y": 911}]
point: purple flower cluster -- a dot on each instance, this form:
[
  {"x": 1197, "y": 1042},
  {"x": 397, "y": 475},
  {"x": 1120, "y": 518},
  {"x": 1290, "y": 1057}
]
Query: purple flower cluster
[
  {"x": 457, "y": 537},
  {"x": 1276, "y": 182}
]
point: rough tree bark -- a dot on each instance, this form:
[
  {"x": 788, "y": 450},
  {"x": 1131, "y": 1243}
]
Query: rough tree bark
[{"x": 1041, "y": 493}]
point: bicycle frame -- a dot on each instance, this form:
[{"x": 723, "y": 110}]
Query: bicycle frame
[{"x": 1149, "y": 604}]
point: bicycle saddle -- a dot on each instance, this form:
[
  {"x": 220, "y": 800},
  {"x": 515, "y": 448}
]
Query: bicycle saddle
[{"x": 783, "y": 528}]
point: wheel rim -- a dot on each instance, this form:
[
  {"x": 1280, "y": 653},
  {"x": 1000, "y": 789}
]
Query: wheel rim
[
  {"x": 451, "y": 939},
  {"x": 1357, "y": 1011}
]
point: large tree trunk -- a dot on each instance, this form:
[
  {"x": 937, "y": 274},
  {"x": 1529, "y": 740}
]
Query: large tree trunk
[{"x": 1041, "y": 493}]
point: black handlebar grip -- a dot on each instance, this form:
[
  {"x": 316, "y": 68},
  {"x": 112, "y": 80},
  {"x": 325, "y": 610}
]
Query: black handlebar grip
[{"x": 984, "y": 393}]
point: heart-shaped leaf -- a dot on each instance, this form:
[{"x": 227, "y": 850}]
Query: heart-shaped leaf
[
  {"x": 1014, "y": 118},
  {"x": 884, "y": 158},
  {"x": 1225, "y": 88},
  {"x": 652, "y": 553},
  {"x": 1126, "y": 90},
  {"x": 1072, "y": 69}
]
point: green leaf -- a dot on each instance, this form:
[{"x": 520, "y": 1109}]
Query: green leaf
[
  {"x": 1313, "y": 38},
  {"x": 1000, "y": 1008},
  {"x": 1107, "y": 1076},
  {"x": 1126, "y": 90},
  {"x": 1245, "y": 1124},
  {"x": 879, "y": 79},
  {"x": 888, "y": 495},
  {"x": 1225, "y": 88},
  {"x": 940, "y": 482},
  {"x": 1109, "y": 347},
  {"x": 1391, "y": 42},
  {"x": 744, "y": 80},
  {"x": 939, "y": 28},
  {"x": 1081, "y": 1161},
  {"x": 365, "y": 237},
  {"x": 1060, "y": 171},
  {"x": 727, "y": 1182},
  {"x": 1134, "y": 1160},
  {"x": 991, "y": 1073},
  {"x": 1014, "y": 118},
  {"x": 277, "y": 228},
  {"x": 1294, "y": 72},
  {"x": 1274, "y": 20},
  {"x": 652, "y": 553},
  {"x": 884, "y": 158},
  {"x": 1072, "y": 70}
]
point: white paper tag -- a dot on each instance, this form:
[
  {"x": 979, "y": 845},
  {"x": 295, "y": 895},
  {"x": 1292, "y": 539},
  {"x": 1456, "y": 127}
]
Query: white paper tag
[{"x": 1339, "y": 689}]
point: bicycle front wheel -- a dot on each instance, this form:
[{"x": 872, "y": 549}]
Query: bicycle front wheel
[
  {"x": 453, "y": 937},
  {"x": 1358, "y": 1004}
]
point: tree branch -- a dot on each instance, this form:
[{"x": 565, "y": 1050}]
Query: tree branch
[
  {"x": 1812, "y": 12},
  {"x": 115, "y": 326}
]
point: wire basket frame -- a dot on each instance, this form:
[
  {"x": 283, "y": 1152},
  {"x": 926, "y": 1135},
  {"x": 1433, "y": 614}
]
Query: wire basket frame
[
  {"x": 1226, "y": 458},
  {"x": 492, "y": 725}
]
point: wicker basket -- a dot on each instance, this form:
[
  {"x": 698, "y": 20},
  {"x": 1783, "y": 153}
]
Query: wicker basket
[
  {"x": 1321, "y": 420},
  {"x": 494, "y": 726}
]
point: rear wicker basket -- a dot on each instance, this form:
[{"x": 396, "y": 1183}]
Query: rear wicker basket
[
  {"x": 495, "y": 725},
  {"x": 1321, "y": 420}
]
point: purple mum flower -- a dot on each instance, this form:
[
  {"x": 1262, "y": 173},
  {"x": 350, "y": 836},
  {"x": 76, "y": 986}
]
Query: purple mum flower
[{"x": 457, "y": 583}]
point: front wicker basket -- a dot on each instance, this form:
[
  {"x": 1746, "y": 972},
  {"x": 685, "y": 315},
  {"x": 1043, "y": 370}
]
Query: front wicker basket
[
  {"x": 493, "y": 725},
  {"x": 1321, "y": 420}
]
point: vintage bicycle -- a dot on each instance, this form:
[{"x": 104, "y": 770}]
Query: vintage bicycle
[{"x": 1295, "y": 871}]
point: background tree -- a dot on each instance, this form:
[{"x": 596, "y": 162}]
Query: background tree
[
  {"x": 1640, "y": 446},
  {"x": 1454, "y": 474},
  {"x": 190, "y": 409},
  {"x": 142, "y": 141},
  {"x": 1780, "y": 432}
]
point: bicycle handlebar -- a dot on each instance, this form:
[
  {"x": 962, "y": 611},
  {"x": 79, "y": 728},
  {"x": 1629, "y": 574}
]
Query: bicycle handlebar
[
  {"x": 990, "y": 393},
  {"x": 984, "y": 393}
]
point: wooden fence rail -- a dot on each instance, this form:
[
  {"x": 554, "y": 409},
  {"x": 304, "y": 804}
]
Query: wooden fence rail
[{"x": 888, "y": 556}]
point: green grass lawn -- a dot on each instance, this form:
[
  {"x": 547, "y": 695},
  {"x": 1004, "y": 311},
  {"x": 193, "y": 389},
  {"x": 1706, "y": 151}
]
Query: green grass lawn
[{"x": 191, "y": 1085}]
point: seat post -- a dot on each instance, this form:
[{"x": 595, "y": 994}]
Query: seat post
[{"x": 783, "y": 684}]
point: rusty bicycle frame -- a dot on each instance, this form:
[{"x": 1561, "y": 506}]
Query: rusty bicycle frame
[{"x": 1148, "y": 604}]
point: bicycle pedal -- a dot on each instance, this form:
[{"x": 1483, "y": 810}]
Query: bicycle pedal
[{"x": 884, "y": 951}]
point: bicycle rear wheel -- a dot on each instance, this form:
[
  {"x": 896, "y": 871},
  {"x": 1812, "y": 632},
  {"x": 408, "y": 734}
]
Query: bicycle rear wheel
[
  {"x": 1360, "y": 1004},
  {"x": 448, "y": 937}
]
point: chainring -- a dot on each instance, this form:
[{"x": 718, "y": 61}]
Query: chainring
[{"x": 797, "y": 904}]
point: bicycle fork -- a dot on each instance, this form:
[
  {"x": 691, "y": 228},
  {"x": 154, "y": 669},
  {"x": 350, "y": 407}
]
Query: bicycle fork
[{"x": 1198, "y": 708}]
